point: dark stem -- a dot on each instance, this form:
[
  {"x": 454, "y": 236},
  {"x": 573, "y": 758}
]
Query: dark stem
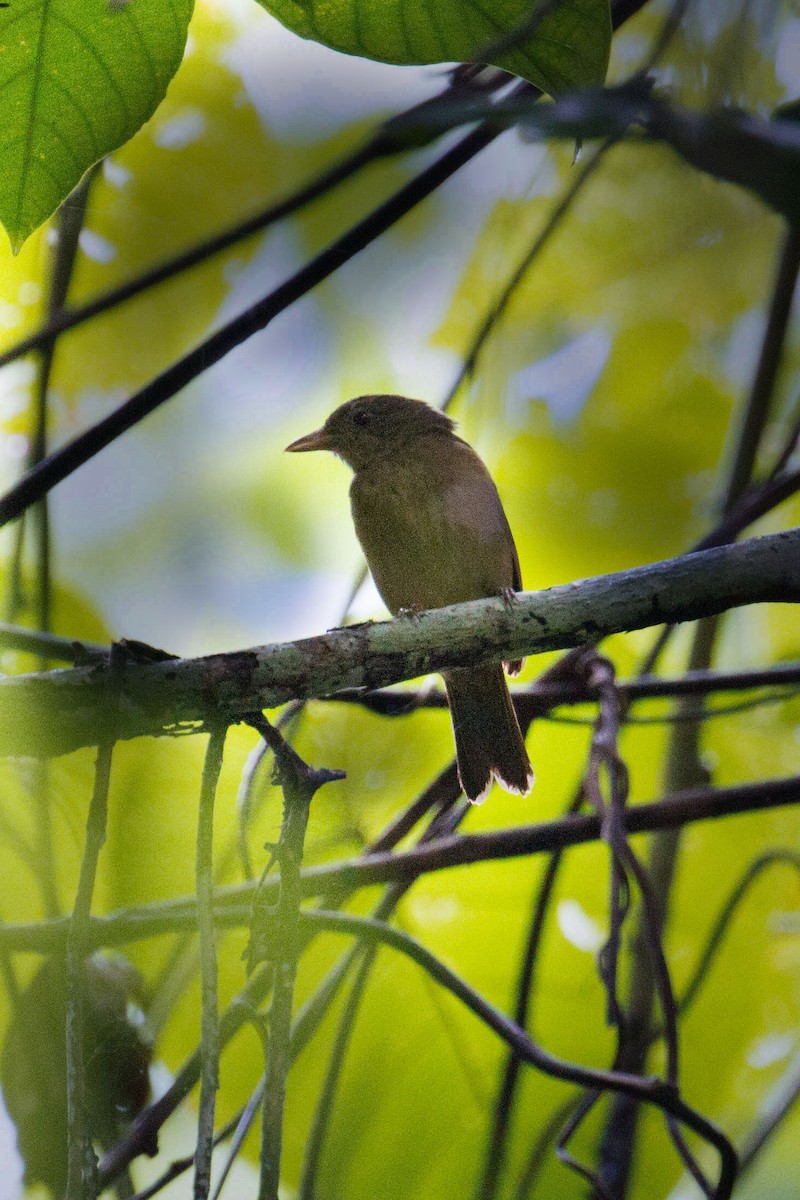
[
  {"x": 663, "y": 1095},
  {"x": 684, "y": 767},
  {"x": 233, "y": 905},
  {"x": 757, "y": 411},
  {"x": 82, "y": 1181},
  {"x": 274, "y": 936}
]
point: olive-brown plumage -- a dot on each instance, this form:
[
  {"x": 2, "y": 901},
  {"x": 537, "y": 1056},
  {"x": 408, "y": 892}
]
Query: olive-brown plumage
[{"x": 433, "y": 530}]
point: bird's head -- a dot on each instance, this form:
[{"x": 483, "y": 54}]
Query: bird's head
[{"x": 370, "y": 427}]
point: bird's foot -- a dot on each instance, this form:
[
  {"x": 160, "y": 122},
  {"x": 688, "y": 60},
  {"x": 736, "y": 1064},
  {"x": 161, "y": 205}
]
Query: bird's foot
[
  {"x": 411, "y": 613},
  {"x": 509, "y": 597}
]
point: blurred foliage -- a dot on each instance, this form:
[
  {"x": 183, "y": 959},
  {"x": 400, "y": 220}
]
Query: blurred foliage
[
  {"x": 603, "y": 403},
  {"x": 34, "y": 1063}
]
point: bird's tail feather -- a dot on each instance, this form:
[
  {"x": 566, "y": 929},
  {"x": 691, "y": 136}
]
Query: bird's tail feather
[{"x": 489, "y": 743}]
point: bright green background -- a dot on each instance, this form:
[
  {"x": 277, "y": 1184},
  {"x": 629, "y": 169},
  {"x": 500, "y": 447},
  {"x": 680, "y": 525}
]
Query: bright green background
[{"x": 674, "y": 271}]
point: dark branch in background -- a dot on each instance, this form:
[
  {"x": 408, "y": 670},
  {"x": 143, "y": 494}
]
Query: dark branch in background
[
  {"x": 756, "y": 413},
  {"x": 684, "y": 765},
  {"x": 761, "y": 156},
  {"x": 233, "y": 904},
  {"x": 664, "y": 1096},
  {"x": 764, "y": 862},
  {"x": 545, "y": 694}
]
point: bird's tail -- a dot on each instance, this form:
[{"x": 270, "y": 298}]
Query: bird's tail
[{"x": 488, "y": 738}]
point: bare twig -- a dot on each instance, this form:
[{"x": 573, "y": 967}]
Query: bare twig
[
  {"x": 778, "y": 1105},
  {"x": 763, "y": 862},
  {"x": 82, "y": 1183},
  {"x": 204, "y": 875},
  {"x": 274, "y": 937},
  {"x": 498, "y": 309}
]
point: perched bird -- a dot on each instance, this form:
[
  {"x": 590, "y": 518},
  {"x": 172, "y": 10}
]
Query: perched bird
[{"x": 433, "y": 530}]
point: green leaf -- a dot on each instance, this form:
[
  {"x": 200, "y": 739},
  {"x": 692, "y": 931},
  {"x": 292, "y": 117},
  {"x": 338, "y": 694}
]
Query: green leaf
[
  {"x": 569, "y": 48},
  {"x": 77, "y": 79}
]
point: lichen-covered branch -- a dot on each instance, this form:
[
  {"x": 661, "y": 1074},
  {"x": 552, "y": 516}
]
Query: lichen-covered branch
[{"x": 59, "y": 711}]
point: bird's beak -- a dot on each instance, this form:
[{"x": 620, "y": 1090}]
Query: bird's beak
[{"x": 318, "y": 440}]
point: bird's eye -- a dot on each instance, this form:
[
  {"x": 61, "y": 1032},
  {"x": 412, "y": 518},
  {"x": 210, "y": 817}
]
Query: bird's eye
[{"x": 361, "y": 418}]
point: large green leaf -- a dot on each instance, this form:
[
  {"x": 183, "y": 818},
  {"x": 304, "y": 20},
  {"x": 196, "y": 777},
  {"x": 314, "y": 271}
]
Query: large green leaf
[
  {"x": 77, "y": 79},
  {"x": 569, "y": 47}
]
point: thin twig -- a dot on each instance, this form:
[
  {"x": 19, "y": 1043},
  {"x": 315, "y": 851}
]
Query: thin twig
[
  {"x": 763, "y": 386},
  {"x": 82, "y": 1182},
  {"x": 209, "y": 1037},
  {"x": 779, "y": 1104},
  {"x": 763, "y": 862},
  {"x": 496, "y": 312}
]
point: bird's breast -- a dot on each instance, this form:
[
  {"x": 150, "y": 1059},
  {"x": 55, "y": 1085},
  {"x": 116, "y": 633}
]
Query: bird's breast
[{"x": 432, "y": 535}]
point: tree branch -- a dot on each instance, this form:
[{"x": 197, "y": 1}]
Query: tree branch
[{"x": 59, "y": 711}]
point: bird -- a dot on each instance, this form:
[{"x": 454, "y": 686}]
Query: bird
[{"x": 433, "y": 530}]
